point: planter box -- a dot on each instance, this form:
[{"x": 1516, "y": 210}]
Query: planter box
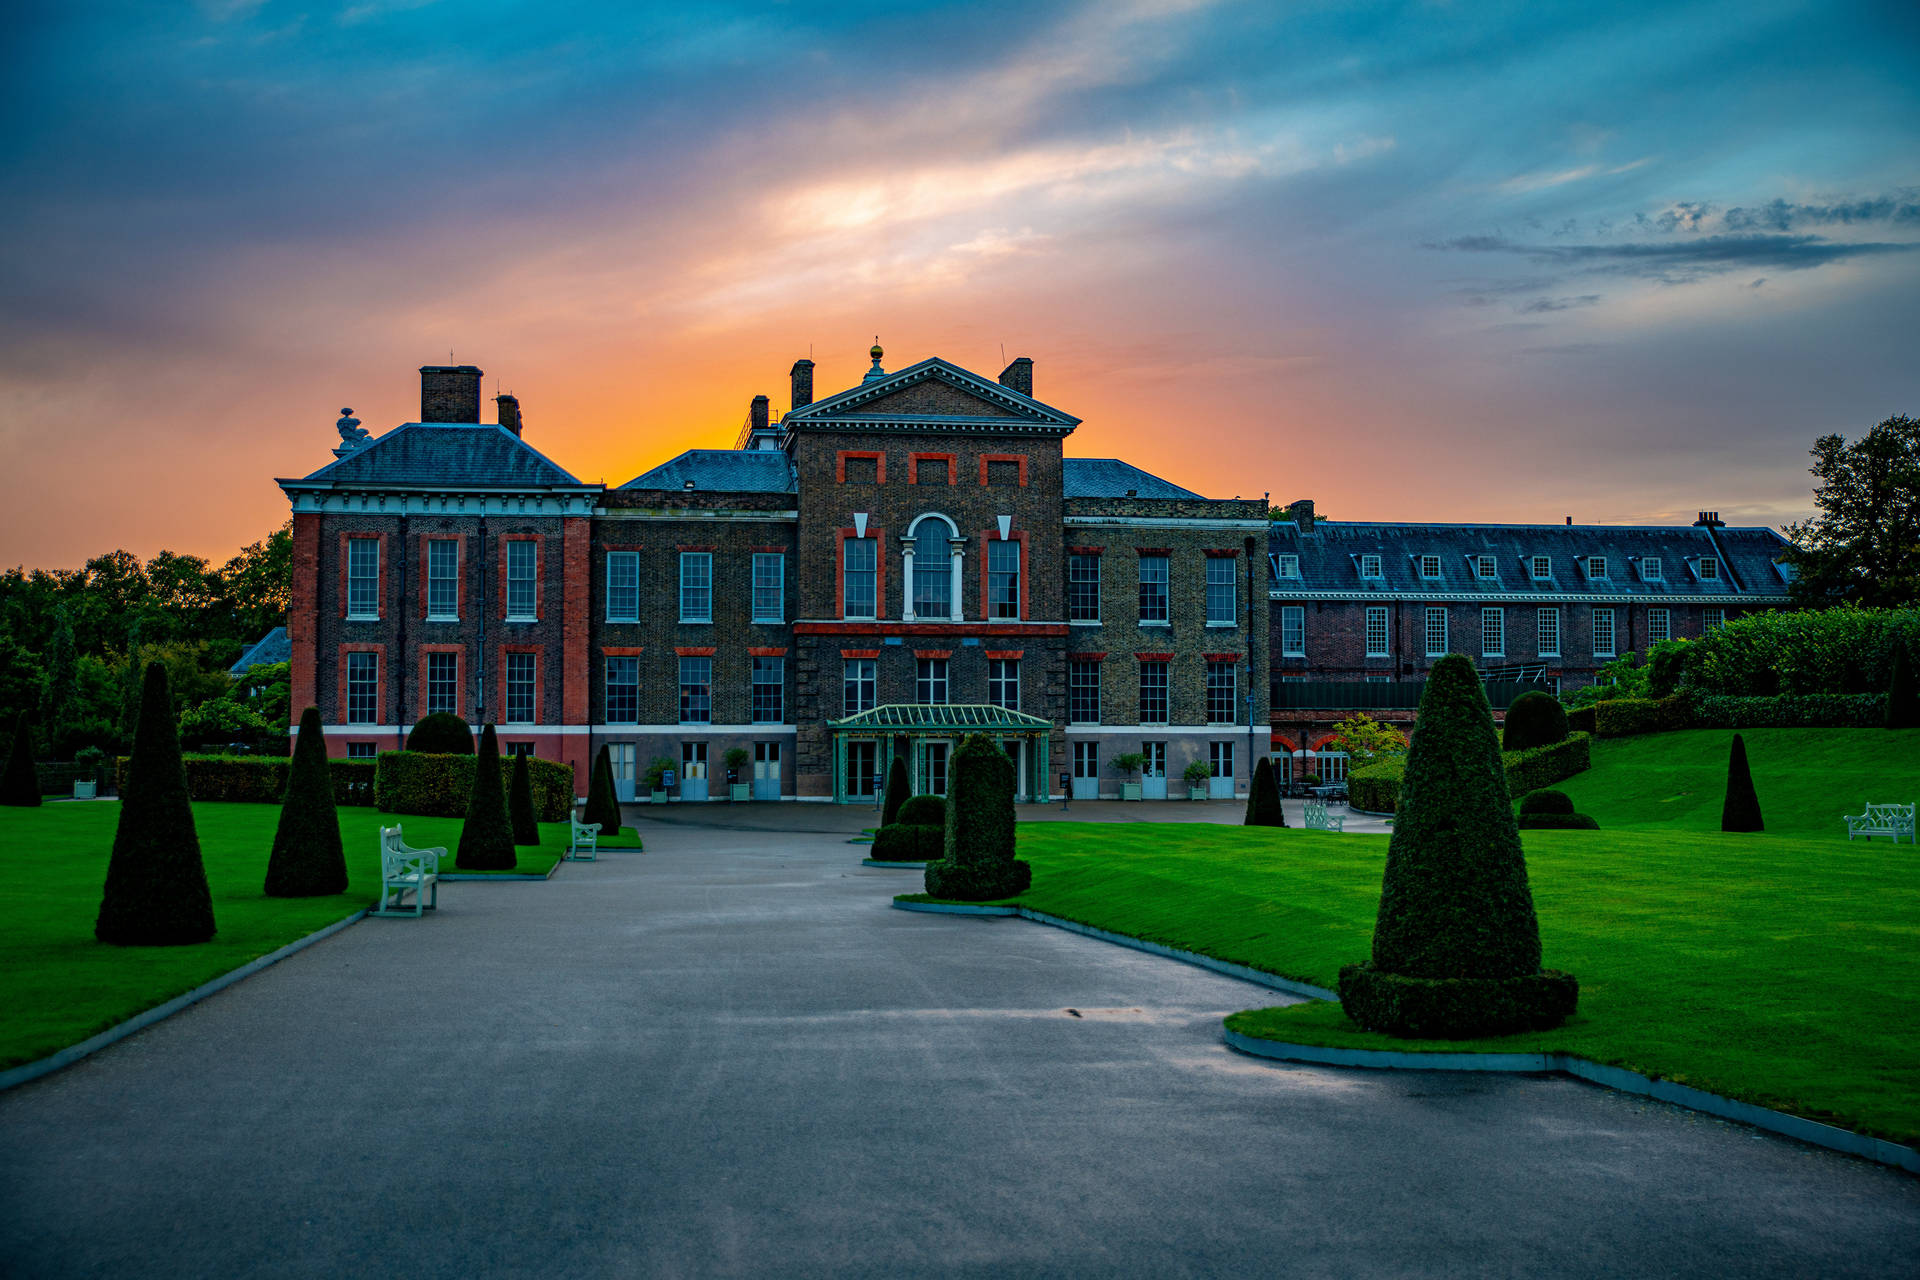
[
  {"x": 85, "y": 790},
  {"x": 1196, "y": 793},
  {"x": 1129, "y": 791},
  {"x": 738, "y": 791},
  {"x": 657, "y": 797}
]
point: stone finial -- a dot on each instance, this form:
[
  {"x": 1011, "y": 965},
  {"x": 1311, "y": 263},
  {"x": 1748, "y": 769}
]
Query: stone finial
[{"x": 352, "y": 434}]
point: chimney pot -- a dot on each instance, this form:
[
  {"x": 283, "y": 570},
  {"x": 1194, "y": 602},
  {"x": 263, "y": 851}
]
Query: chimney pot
[
  {"x": 509, "y": 412},
  {"x": 1569, "y": 522},
  {"x": 450, "y": 393},
  {"x": 802, "y": 383},
  {"x": 1018, "y": 376},
  {"x": 1302, "y": 513}
]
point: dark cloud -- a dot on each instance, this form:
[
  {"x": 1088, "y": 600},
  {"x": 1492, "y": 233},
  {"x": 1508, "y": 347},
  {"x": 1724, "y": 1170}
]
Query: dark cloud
[
  {"x": 1682, "y": 261},
  {"x": 1902, "y": 208},
  {"x": 1539, "y": 305}
]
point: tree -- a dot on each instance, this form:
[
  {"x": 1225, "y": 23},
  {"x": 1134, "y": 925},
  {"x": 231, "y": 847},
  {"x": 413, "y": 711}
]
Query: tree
[
  {"x": 1366, "y": 740},
  {"x": 1741, "y": 811},
  {"x": 156, "y": 892},
  {"x": 603, "y": 801},
  {"x": 1903, "y": 704},
  {"x": 899, "y": 790},
  {"x": 1864, "y": 544},
  {"x": 307, "y": 859},
  {"x": 978, "y": 863},
  {"x": 1456, "y": 946},
  {"x": 520, "y": 803},
  {"x": 486, "y": 837},
  {"x": 1263, "y": 798},
  {"x": 60, "y": 703},
  {"x": 19, "y": 784}
]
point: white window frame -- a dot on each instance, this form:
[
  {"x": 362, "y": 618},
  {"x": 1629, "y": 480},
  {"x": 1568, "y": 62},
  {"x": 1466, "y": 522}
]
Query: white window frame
[
  {"x": 1370, "y": 567},
  {"x": 691, "y": 675},
  {"x": 622, "y": 660},
  {"x": 1165, "y": 687},
  {"x": 1712, "y": 618},
  {"x": 621, "y": 564},
  {"x": 1659, "y": 625},
  {"x": 1493, "y": 632},
  {"x": 529, "y": 662},
  {"x": 1540, "y": 568},
  {"x": 770, "y": 598},
  {"x": 860, "y": 678},
  {"x": 931, "y": 677},
  {"x": 1484, "y": 568},
  {"x": 1077, "y": 667},
  {"x": 1286, "y": 566},
  {"x": 1597, "y": 567},
  {"x": 1000, "y": 580},
  {"x": 1002, "y": 672},
  {"x": 1547, "y": 620},
  {"x": 1709, "y": 568},
  {"x": 1164, "y": 583},
  {"x": 871, "y": 573},
  {"x": 1430, "y": 570},
  {"x": 699, "y": 561},
  {"x": 363, "y": 688},
  {"x": 1220, "y": 758},
  {"x": 1436, "y": 614},
  {"x": 1651, "y": 570},
  {"x": 1223, "y": 678},
  {"x": 777, "y": 667},
  {"x": 451, "y": 686},
  {"x": 1077, "y": 562},
  {"x": 1377, "y": 615},
  {"x": 1612, "y": 629},
  {"x": 449, "y": 580},
  {"x": 523, "y": 580},
  {"x": 363, "y": 586},
  {"x": 1231, "y": 594},
  {"x": 1293, "y": 631}
]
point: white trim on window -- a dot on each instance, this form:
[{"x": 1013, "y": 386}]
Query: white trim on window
[
  {"x": 1436, "y": 628},
  {"x": 1377, "y": 626}
]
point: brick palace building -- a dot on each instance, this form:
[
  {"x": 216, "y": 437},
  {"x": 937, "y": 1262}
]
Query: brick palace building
[{"x": 908, "y": 560}]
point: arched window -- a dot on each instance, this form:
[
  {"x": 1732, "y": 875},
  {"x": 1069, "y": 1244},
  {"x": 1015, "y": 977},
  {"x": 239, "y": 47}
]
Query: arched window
[{"x": 932, "y": 567}]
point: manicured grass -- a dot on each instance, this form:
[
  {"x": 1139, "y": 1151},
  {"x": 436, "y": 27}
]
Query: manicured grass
[
  {"x": 1782, "y": 970},
  {"x": 58, "y": 985}
]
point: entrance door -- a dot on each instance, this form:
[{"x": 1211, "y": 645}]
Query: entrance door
[
  {"x": 1153, "y": 774},
  {"x": 933, "y": 768},
  {"x": 1016, "y": 749},
  {"x": 625, "y": 781},
  {"x": 1086, "y": 771},
  {"x": 863, "y": 770},
  {"x": 693, "y": 771},
  {"x": 1220, "y": 756},
  {"x": 766, "y": 771}
]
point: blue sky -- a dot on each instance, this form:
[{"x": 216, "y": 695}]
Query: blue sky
[{"x": 1423, "y": 261}]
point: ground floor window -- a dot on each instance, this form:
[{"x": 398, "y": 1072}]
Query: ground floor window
[
  {"x": 1330, "y": 765},
  {"x": 696, "y": 690},
  {"x": 1156, "y": 759},
  {"x": 933, "y": 769},
  {"x": 513, "y": 749},
  {"x": 361, "y": 750},
  {"x": 863, "y": 769},
  {"x": 693, "y": 762},
  {"x": 1220, "y": 756},
  {"x": 443, "y": 682},
  {"x": 621, "y": 755}
]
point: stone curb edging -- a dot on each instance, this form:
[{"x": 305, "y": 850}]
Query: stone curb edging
[
  {"x": 955, "y": 908},
  {"x": 465, "y": 877},
  {"x": 1810, "y": 1131},
  {"x": 15, "y": 1076},
  {"x": 903, "y": 866}
]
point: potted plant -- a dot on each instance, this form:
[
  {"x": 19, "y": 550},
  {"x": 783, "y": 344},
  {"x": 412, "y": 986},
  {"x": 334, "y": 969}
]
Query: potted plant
[
  {"x": 655, "y": 778},
  {"x": 1196, "y": 775},
  {"x": 736, "y": 758},
  {"x": 1127, "y": 766},
  {"x": 90, "y": 759}
]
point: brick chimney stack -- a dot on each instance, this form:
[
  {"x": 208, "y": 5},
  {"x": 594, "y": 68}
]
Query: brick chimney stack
[
  {"x": 1302, "y": 513},
  {"x": 509, "y": 412},
  {"x": 1018, "y": 376},
  {"x": 449, "y": 393},
  {"x": 802, "y": 383},
  {"x": 757, "y": 415}
]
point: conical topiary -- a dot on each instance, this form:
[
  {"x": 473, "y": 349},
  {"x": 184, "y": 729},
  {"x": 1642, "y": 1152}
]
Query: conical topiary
[
  {"x": 520, "y": 803},
  {"x": 978, "y": 863},
  {"x": 1903, "y": 702},
  {"x": 603, "y": 802},
  {"x": 1263, "y": 797},
  {"x": 1741, "y": 812},
  {"x": 899, "y": 790},
  {"x": 1456, "y": 947},
  {"x": 486, "y": 837},
  {"x": 156, "y": 893},
  {"x": 19, "y": 784},
  {"x": 307, "y": 860}
]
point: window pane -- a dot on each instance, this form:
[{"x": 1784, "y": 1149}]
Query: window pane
[
  {"x": 1003, "y": 683},
  {"x": 1650, "y": 569},
  {"x": 857, "y": 594},
  {"x": 520, "y": 579},
  {"x": 1083, "y": 691},
  {"x": 1153, "y": 693},
  {"x": 1493, "y": 632},
  {"x": 930, "y": 683},
  {"x": 1222, "y": 608},
  {"x": 1603, "y": 633},
  {"x": 520, "y": 678},
  {"x": 623, "y": 690},
  {"x": 363, "y": 688},
  {"x": 363, "y": 577},
  {"x": 1153, "y": 588},
  {"x": 1376, "y": 633},
  {"x": 1003, "y": 579},
  {"x": 1083, "y": 589},
  {"x": 1221, "y": 691},
  {"x": 443, "y": 578},
  {"x": 623, "y": 586},
  {"x": 696, "y": 586},
  {"x": 1436, "y": 632},
  {"x": 769, "y": 690},
  {"x": 932, "y": 571},
  {"x": 858, "y": 685},
  {"x": 696, "y": 690},
  {"x": 1369, "y": 566},
  {"x": 443, "y": 683},
  {"x": 769, "y": 587},
  {"x": 1293, "y": 630},
  {"x": 1659, "y": 625},
  {"x": 1549, "y": 633}
]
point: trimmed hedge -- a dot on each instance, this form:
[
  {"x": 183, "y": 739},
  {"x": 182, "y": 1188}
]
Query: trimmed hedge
[
  {"x": 1557, "y": 802},
  {"x": 1790, "y": 711},
  {"x": 907, "y": 842},
  {"x": 1263, "y": 798},
  {"x": 1626, "y": 717},
  {"x": 977, "y": 862},
  {"x": 259, "y": 779},
  {"x": 899, "y": 790},
  {"x": 1376, "y": 788},
  {"x": 1580, "y": 720},
  {"x": 1457, "y": 1008},
  {"x": 308, "y": 860},
  {"x": 156, "y": 893},
  {"x": 1557, "y": 822},
  {"x": 442, "y": 734},
  {"x": 19, "y": 784},
  {"x": 1808, "y": 651},
  {"x": 437, "y": 786},
  {"x": 1741, "y": 810},
  {"x": 1535, "y": 719},
  {"x": 923, "y": 811}
]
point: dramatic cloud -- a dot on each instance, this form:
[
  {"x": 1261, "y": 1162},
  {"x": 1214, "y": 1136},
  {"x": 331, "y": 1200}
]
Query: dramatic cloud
[{"x": 1682, "y": 261}]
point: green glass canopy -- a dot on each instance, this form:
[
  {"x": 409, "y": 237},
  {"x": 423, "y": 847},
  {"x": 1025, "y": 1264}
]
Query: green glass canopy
[{"x": 920, "y": 717}]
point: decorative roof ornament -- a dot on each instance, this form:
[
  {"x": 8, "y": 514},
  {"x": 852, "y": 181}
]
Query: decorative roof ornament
[
  {"x": 352, "y": 435},
  {"x": 876, "y": 373}
]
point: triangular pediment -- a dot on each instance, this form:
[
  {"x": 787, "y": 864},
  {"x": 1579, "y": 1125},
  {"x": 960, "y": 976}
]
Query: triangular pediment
[{"x": 933, "y": 393}]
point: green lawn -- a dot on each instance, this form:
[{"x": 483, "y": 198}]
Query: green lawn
[
  {"x": 59, "y": 986},
  {"x": 1781, "y": 968}
]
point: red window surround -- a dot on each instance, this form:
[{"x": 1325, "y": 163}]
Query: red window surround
[
  {"x": 1086, "y": 551},
  {"x": 933, "y": 653},
  {"x": 380, "y": 690},
  {"x": 459, "y": 676},
  {"x": 771, "y": 551},
  {"x": 539, "y": 677},
  {"x": 915, "y": 459},
  {"x": 694, "y": 651},
  {"x": 1154, "y": 551},
  {"x": 1282, "y": 743},
  {"x": 840, "y": 464},
  {"x": 879, "y": 571},
  {"x": 1019, "y": 536},
  {"x": 539, "y": 559},
  {"x": 860, "y": 653},
  {"x": 622, "y": 650},
  {"x": 776, "y": 651},
  {"x": 1086, "y": 657},
  {"x": 690, "y": 547},
  {"x": 381, "y": 538},
  {"x": 1154, "y": 657},
  {"x": 1005, "y": 655},
  {"x": 1020, "y": 458},
  {"x": 619, "y": 546},
  {"x": 1222, "y": 552},
  {"x": 459, "y": 572},
  {"x": 1221, "y": 657}
]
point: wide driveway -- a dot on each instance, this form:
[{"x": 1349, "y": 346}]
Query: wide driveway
[{"x": 728, "y": 1056}]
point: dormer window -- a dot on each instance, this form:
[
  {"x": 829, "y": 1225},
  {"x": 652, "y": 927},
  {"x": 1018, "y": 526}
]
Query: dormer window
[
  {"x": 1709, "y": 569},
  {"x": 1429, "y": 566},
  {"x": 1596, "y": 566},
  {"x": 1370, "y": 566},
  {"x": 1650, "y": 570},
  {"x": 1286, "y": 566},
  {"x": 1483, "y": 567},
  {"x": 1542, "y": 568}
]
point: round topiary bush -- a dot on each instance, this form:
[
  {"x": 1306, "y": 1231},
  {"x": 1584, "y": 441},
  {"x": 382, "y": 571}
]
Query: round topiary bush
[
  {"x": 1557, "y": 822},
  {"x": 903, "y": 842},
  {"x": 923, "y": 811},
  {"x": 1546, "y": 801},
  {"x": 1535, "y": 719},
  {"x": 442, "y": 734}
]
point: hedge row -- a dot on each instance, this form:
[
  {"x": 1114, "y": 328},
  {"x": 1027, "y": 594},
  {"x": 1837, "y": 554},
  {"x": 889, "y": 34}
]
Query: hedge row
[
  {"x": 1376, "y": 788},
  {"x": 260, "y": 779},
  {"x": 908, "y": 842},
  {"x": 1806, "y": 652},
  {"x": 1791, "y": 711},
  {"x": 1625, "y": 717},
  {"x": 437, "y": 786}
]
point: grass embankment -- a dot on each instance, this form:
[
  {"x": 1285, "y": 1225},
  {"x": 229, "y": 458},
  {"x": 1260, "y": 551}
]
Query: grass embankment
[
  {"x": 58, "y": 985},
  {"x": 1782, "y": 968}
]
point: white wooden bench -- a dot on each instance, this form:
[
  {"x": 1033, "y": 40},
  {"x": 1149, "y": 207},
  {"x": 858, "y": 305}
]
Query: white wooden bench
[
  {"x": 1318, "y": 819},
  {"x": 1892, "y": 820},
  {"x": 585, "y": 843},
  {"x": 403, "y": 871}
]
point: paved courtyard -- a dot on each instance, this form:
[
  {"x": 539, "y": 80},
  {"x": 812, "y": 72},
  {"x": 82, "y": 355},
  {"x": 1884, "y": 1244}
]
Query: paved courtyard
[{"x": 729, "y": 1056}]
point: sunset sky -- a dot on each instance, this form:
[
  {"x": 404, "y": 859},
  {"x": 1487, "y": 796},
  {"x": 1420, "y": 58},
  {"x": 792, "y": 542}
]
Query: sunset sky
[{"x": 1474, "y": 261}]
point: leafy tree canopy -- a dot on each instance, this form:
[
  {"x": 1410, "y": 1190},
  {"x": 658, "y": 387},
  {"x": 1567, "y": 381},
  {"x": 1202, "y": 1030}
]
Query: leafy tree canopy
[{"x": 1864, "y": 545}]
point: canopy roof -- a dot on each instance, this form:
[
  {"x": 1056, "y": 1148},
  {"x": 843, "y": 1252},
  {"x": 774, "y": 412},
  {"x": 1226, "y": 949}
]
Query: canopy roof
[{"x": 972, "y": 717}]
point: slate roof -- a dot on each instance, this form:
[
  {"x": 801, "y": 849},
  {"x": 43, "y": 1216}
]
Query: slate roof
[
  {"x": 722, "y": 471},
  {"x": 1111, "y": 478},
  {"x": 275, "y": 646},
  {"x": 1330, "y": 559},
  {"x": 833, "y": 411},
  {"x": 448, "y": 455}
]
